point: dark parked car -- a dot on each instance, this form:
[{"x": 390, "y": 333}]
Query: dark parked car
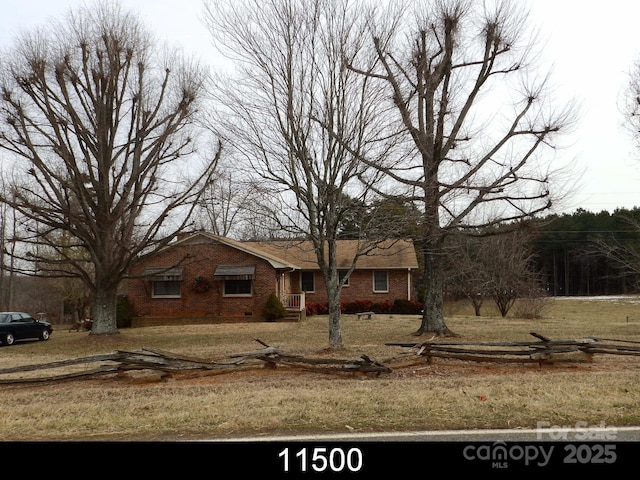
[{"x": 19, "y": 326}]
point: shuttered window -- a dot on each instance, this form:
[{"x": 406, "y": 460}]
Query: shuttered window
[
  {"x": 237, "y": 288},
  {"x": 165, "y": 281},
  {"x": 166, "y": 288}
]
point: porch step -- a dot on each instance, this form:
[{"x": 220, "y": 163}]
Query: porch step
[{"x": 292, "y": 316}]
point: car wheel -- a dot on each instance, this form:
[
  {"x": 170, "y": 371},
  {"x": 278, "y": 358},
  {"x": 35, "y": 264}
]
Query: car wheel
[
  {"x": 9, "y": 339},
  {"x": 44, "y": 335}
]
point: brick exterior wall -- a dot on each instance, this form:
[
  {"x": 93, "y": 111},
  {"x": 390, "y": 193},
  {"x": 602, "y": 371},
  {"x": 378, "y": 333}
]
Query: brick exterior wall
[
  {"x": 200, "y": 259},
  {"x": 360, "y": 287}
]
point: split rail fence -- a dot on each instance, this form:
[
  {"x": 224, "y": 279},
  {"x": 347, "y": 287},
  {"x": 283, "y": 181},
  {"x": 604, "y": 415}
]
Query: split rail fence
[
  {"x": 542, "y": 351},
  {"x": 166, "y": 364}
]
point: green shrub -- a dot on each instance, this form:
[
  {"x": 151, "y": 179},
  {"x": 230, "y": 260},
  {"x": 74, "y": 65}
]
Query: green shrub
[
  {"x": 273, "y": 309},
  {"x": 124, "y": 312}
]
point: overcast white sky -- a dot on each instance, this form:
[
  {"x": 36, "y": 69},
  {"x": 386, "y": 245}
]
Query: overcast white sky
[{"x": 592, "y": 46}]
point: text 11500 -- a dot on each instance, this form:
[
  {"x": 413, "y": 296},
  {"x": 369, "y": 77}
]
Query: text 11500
[{"x": 321, "y": 459}]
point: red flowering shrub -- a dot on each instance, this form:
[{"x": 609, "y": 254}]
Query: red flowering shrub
[
  {"x": 316, "y": 309},
  {"x": 382, "y": 307},
  {"x": 357, "y": 306},
  {"x": 405, "y": 307}
]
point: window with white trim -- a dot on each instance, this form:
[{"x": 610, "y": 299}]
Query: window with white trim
[
  {"x": 166, "y": 282},
  {"x": 238, "y": 288},
  {"x": 380, "y": 281}
]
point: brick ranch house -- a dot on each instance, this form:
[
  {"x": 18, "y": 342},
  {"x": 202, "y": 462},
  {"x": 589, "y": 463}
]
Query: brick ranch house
[{"x": 204, "y": 278}]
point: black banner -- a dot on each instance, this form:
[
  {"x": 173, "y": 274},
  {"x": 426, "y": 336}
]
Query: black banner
[{"x": 295, "y": 459}]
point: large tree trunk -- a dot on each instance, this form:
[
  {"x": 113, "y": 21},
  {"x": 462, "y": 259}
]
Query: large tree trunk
[
  {"x": 335, "y": 320},
  {"x": 104, "y": 312},
  {"x": 333, "y": 300},
  {"x": 433, "y": 316}
]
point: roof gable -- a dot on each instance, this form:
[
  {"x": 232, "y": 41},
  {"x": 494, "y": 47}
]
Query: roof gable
[{"x": 205, "y": 237}]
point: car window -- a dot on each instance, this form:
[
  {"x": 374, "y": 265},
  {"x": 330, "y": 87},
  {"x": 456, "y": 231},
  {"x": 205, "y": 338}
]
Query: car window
[{"x": 4, "y": 318}]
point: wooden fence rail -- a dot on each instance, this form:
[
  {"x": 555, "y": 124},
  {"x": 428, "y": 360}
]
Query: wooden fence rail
[
  {"x": 168, "y": 363},
  {"x": 542, "y": 351}
]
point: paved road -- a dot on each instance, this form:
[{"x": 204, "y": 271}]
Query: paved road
[{"x": 554, "y": 434}]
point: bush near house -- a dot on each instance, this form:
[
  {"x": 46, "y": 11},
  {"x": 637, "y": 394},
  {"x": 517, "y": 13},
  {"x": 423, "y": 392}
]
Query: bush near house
[
  {"x": 124, "y": 312},
  {"x": 407, "y": 307},
  {"x": 398, "y": 306},
  {"x": 273, "y": 309},
  {"x": 316, "y": 309}
]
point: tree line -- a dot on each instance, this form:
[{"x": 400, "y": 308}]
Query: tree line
[{"x": 588, "y": 253}]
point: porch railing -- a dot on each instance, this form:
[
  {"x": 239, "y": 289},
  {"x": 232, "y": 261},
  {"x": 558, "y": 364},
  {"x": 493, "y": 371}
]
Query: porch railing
[{"x": 293, "y": 301}]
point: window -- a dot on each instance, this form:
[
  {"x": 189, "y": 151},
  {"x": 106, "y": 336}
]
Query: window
[
  {"x": 380, "y": 281},
  {"x": 237, "y": 279},
  {"x": 307, "y": 283},
  {"x": 166, "y": 288},
  {"x": 165, "y": 281},
  {"x": 237, "y": 288},
  {"x": 341, "y": 275}
]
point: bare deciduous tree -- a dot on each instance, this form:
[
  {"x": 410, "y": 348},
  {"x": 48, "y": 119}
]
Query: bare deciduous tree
[
  {"x": 508, "y": 263},
  {"x": 494, "y": 264},
  {"x": 229, "y": 204},
  {"x": 476, "y": 123},
  {"x": 465, "y": 273},
  {"x": 102, "y": 122},
  {"x": 8, "y": 233},
  {"x": 631, "y": 103},
  {"x": 625, "y": 252},
  {"x": 291, "y": 89},
  {"x": 622, "y": 250}
]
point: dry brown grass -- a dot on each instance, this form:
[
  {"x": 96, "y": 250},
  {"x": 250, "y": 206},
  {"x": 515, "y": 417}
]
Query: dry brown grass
[{"x": 444, "y": 395}]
